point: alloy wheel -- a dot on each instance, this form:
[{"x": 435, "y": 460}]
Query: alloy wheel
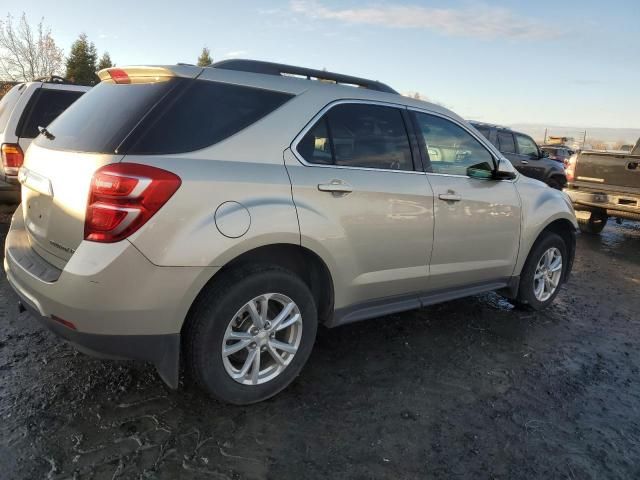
[
  {"x": 262, "y": 339},
  {"x": 547, "y": 275}
]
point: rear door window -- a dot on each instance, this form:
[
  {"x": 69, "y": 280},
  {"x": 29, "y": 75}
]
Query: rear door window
[
  {"x": 506, "y": 143},
  {"x": 361, "y": 135},
  {"x": 43, "y": 108},
  {"x": 7, "y": 104}
]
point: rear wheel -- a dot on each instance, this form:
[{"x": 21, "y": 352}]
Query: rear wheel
[
  {"x": 543, "y": 272},
  {"x": 249, "y": 336},
  {"x": 594, "y": 223}
]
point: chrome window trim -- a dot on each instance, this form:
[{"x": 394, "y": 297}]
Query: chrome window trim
[{"x": 325, "y": 109}]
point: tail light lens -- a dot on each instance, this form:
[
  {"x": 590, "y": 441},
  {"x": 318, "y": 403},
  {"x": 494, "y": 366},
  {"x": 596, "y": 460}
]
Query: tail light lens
[
  {"x": 570, "y": 168},
  {"x": 12, "y": 158},
  {"x": 123, "y": 197}
]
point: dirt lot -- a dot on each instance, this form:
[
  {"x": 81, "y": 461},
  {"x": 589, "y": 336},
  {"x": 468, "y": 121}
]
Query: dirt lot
[{"x": 470, "y": 388}]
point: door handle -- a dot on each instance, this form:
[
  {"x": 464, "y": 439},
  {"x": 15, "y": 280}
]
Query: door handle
[
  {"x": 450, "y": 197},
  {"x": 336, "y": 186},
  {"x": 524, "y": 162}
]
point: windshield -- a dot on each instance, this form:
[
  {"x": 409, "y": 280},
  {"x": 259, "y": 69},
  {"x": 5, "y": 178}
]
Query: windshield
[{"x": 7, "y": 103}]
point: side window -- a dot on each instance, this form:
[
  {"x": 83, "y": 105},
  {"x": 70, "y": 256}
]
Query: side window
[
  {"x": 526, "y": 146},
  {"x": 205, "y": 113},
  {"x": 506, "y": 143},
  {"x": 451, "y": 149},
  {"x": 369, "y": 136},
  {"x": 315, "y": 146},
  {"x": 43, "y": 108}
]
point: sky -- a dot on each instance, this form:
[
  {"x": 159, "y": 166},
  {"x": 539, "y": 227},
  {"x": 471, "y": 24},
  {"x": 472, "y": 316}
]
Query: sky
[{"x": 571, "y": 62}]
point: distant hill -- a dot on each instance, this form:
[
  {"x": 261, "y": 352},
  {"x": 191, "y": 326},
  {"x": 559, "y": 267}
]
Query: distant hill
[{"x": 607, "y": 135}]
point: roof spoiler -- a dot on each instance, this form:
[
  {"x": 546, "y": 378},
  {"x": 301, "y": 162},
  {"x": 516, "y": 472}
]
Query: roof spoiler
[
  {"x": 278, "y": 69},
  {"x": 148, "y": 73}
]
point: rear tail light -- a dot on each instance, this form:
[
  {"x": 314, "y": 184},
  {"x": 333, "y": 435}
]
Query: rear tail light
[
  {"x": 12, "y": 158},
  {"x": 123, "y": 197},
  {"x": 570, "y": 168}
]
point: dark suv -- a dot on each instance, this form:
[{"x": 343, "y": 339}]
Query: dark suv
[{"x": 524, "y": 154}]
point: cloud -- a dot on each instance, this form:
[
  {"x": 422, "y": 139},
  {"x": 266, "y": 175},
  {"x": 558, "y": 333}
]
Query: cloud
[
  {"x": 235, "y": 53},
  {"x": 480, "y": 21}
]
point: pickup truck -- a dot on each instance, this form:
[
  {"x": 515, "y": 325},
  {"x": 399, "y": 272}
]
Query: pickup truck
[{"x": 603, "y": 185}]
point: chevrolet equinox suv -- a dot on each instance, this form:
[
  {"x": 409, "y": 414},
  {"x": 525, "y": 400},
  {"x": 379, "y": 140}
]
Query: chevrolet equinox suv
[{"x": 216, "y": 216}]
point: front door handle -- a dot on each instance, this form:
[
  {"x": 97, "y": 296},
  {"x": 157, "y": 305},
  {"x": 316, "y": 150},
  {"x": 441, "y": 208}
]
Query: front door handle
[
  {"x": 450, "y": 197},
  {"x": 336, "y": 186},
  {"x": 524, "y": 162}
]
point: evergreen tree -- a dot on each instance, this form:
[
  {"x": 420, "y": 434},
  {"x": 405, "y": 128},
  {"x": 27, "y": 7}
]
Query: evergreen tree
[
  {"x": 81, "y": 64},
  {"x": 204, "y": 60},
  {"x": 105, "y": 61}
]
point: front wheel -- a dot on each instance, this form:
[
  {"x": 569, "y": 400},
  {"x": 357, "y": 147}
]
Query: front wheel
[
  {"x": 249, "y": 336},
  {"x": 543, "y": 272}
]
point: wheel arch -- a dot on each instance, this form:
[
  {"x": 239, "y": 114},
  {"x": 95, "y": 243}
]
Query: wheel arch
[
  {"x": 566, "y": 229},
  {"x": 301, "y": 261}
]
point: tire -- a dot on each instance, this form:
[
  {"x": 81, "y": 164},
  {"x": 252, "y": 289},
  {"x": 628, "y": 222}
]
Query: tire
[
  {"x": 594, "y": 224},
  {"x": 527, "y": 291},
  {"x": 209, "y": 324}
]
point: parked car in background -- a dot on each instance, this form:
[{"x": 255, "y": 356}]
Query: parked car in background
[
  {"x": 23, "y": 110},
  {"x": 604, "y": 185},
  {"x": 524, "y": 154},
  {"x": 558, "y": 153},
  {"x": 220, "y": 214}
]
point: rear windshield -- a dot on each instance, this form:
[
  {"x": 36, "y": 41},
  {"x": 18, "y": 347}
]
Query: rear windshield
[
  {"x": 43, "y": 108},
  {"x": 176, "y": 116},
  {"x": 7, "y": 103},
  {"x": 101, "y": 119}
]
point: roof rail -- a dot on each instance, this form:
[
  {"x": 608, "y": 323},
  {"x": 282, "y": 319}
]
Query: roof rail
[
  {"x": 53, "y": 79},
  {"x": 278, "y": 69}
]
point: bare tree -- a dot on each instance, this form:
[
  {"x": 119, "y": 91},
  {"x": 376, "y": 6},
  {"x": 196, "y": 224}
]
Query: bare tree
[{"x": 27, "y": 52}]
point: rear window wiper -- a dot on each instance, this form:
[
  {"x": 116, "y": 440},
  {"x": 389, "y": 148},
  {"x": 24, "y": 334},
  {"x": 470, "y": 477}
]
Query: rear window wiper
[{"x": 46, "y": 133}]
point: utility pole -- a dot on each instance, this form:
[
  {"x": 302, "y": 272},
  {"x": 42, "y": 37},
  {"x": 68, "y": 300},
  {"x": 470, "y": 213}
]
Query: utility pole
[
  {"x": 584, "y": 139},
  {"x": 545, "y": 136}
]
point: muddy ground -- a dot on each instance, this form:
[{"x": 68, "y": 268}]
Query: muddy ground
[{"x": 470, "y": 388}]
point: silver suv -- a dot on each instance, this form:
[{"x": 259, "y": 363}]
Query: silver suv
[{"x": 218, "y": 215}]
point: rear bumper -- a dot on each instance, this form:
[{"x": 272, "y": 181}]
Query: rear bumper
[
  {"x": 162, "y": 350},
  {"x": 119, "y": 303},
  {"x": 619, "y": 205}
]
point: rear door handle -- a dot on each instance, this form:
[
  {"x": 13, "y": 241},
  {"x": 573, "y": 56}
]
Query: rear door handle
[
  {"x": 336, "y": 186},
  {"x": 450, "y": 197},
  {"x": 524, "y": 162}
]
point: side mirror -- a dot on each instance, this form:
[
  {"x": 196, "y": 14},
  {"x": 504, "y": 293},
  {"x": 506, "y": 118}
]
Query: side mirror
[
  {"x": 505, "y": 171},
  {"x": 544, "y": 154},
  {"x": 503, "y": 175}
]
